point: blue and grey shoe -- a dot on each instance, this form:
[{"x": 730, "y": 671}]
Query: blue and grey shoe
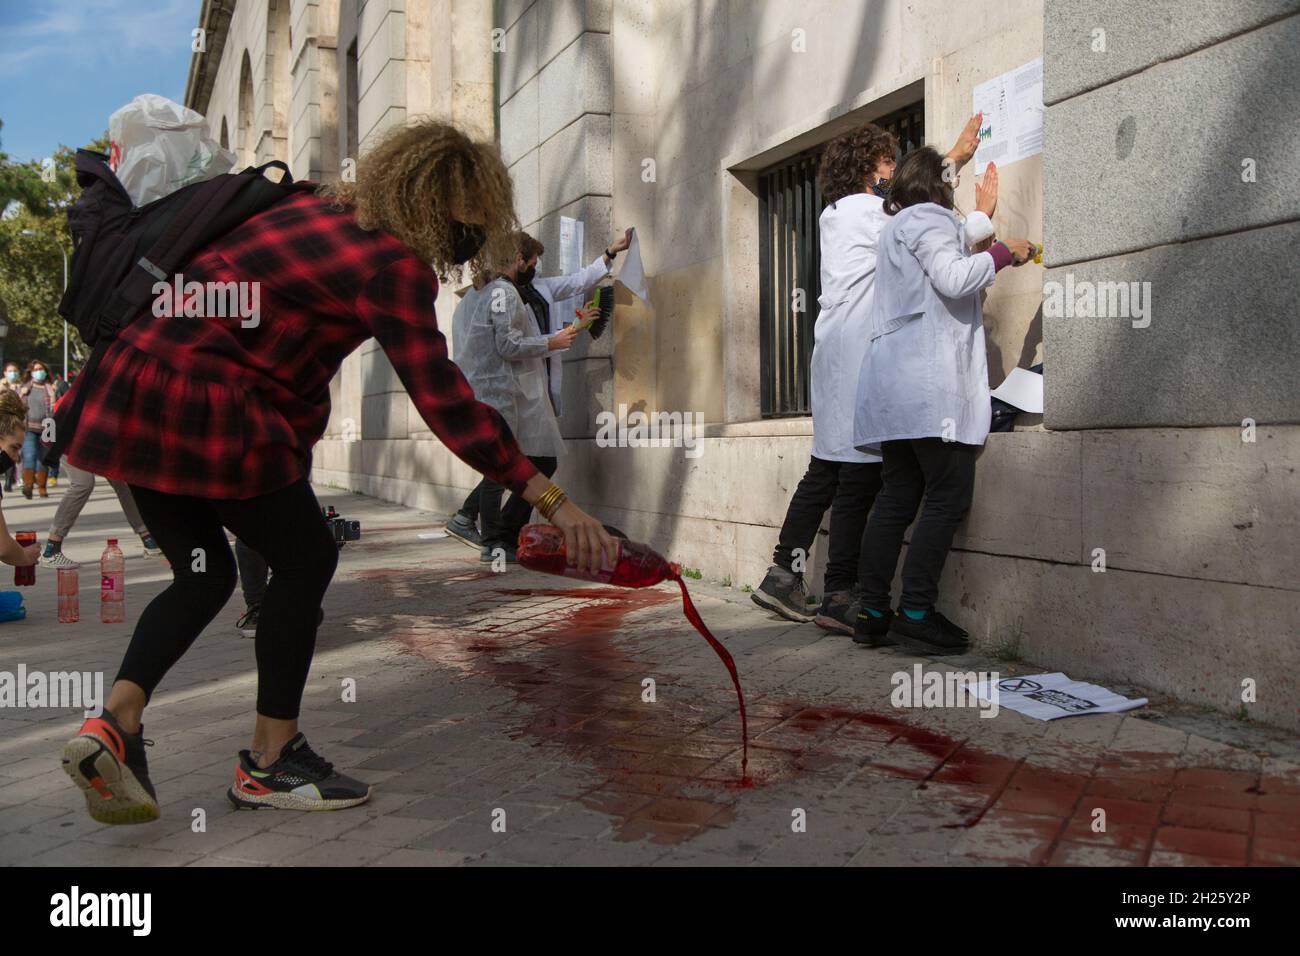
[{"x": 463, "y": 530}]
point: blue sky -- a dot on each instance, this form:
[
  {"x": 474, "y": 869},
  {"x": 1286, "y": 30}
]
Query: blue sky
[{"x": 65, "y": 65}]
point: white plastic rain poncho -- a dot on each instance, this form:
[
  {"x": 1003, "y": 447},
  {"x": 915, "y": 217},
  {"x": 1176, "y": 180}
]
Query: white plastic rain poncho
[{"x": 497, "y": 344}]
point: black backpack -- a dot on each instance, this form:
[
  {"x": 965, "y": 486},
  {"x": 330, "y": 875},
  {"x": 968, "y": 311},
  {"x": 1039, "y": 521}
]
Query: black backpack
[{"x": 120, "y": 251}]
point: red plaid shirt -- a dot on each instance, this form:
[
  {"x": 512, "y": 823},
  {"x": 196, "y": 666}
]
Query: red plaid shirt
[{"x": 206, "y": 407}]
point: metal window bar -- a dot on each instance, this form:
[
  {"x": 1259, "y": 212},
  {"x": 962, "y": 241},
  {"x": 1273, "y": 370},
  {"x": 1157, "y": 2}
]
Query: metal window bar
[{"x": 789, "y": 260}]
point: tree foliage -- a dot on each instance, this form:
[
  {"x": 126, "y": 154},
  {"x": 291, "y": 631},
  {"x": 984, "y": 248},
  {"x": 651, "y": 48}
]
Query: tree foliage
[{"x": 35, "y": 197}]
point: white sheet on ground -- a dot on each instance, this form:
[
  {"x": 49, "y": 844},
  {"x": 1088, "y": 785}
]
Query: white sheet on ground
[{"x": 1049, "y": 696}]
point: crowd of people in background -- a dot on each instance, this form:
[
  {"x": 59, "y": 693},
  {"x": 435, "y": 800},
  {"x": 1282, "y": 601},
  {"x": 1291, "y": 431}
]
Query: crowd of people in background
[{"x": 40, "y": 392}]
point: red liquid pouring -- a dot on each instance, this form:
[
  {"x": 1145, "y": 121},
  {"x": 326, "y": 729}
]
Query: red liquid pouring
[{"x": 541, "y": 548}]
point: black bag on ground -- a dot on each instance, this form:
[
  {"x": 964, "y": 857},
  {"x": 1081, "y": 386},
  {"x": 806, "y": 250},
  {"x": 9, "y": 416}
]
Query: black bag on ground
[{"x": 121, "y": 251}]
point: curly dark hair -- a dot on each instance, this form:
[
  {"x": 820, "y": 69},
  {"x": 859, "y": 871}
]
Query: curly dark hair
[
  {"x": 411, "y": 179},
  {"x": 850, "y": 158}
]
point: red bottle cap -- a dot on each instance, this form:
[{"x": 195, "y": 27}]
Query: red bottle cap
[{"x": 112, "y": 541}]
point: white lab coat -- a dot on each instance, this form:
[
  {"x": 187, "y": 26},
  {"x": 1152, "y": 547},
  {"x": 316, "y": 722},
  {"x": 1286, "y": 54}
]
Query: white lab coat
[
  {"x": 849, "y": 229},
  {"x": 925, "y": 373},
  {"x": 501, "y": 351},
  {"x": 556, "y": 290}
]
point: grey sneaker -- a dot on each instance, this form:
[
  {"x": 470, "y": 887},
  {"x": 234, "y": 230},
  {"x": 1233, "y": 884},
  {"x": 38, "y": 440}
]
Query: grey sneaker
[
  {"x": 464, "y": 531},
  {"x": 839, "y": 611},
  {"x": 785, "y": 593},
  {"x": 57, "y": 559}
]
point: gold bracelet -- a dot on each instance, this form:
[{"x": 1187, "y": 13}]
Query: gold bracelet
[
  {"x": 550, "y": 502},
  {"x": 544, "y": 499},
  {"x": 553, "y": 505},
  {"x": 547, "y": 497}
]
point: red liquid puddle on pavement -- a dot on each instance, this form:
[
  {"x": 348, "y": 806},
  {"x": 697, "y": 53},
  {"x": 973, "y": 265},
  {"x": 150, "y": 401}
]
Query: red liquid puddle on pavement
[{"x": 665, "y": 772}]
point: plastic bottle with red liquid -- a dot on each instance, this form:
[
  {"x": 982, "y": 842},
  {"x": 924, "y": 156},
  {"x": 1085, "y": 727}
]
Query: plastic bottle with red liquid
[
  {"x": 112, "y": 584},
  {"x": 26, "y": 575},
  {"x": 542, "y": 548}
]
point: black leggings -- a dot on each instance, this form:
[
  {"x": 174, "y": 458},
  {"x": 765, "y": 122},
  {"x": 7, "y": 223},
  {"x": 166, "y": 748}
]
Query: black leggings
[{"x": 286, "y": 528}]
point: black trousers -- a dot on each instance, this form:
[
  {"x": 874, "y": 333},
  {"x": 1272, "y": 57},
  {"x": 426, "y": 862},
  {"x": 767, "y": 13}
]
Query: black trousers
[
  {"x": 848, "y": 489},
  {"x": 502, "y": 525},
  {"x": 944, "y": 474},
  {"x": 285, "y": 527},
  {"x": 470, "y": 506}
]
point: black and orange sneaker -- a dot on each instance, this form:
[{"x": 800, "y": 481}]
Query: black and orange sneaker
[
  {"x": 109, "y": 766},
  {"x": 300, "y": 780}
]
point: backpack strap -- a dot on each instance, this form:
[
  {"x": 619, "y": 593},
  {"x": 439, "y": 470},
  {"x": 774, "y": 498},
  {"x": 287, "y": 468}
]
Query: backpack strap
[{"x": 209, "y": 210}]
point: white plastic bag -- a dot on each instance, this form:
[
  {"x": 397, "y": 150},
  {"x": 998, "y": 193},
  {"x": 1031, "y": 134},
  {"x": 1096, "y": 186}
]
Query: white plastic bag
[{"x": 156, "y": 146}]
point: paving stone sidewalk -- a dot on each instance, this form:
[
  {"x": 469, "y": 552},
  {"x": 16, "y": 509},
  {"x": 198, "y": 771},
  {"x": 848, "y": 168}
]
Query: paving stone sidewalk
[{"x": 503, "y": 720}]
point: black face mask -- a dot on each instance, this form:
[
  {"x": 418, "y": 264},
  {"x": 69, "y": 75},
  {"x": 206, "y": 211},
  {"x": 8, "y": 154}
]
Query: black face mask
[
  {"x": 5, "y": 461},
  {"x": 526, "y": 276},
  {"x": 466, "y": 241},
  {"x": 881, "y": 189}
]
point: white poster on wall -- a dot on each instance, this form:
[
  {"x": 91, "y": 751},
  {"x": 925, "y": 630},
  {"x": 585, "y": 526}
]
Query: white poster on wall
[
  {"x": 572, "y": 233},
  {"x": 571, "y": 236},
  {"x": 1012, "y": 104}
]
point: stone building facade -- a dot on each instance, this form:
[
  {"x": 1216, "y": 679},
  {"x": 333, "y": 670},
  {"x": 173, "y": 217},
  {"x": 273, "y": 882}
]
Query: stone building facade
[{"x": 1168, "y": 452}]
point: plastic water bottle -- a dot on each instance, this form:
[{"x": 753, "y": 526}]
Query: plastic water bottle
[
  {"x": 112, "y": 584},
  {"x": 69, "y": 602}
]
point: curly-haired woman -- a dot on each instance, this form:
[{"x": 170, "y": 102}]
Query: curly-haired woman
[{"x": 212, "y": 424}]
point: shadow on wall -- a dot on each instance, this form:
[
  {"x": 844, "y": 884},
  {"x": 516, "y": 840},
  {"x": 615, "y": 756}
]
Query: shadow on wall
[
  {"x": 709, "y": 54},
  {"x": 1212, "y": 159},
  {"x": 1028, "y": 349}
]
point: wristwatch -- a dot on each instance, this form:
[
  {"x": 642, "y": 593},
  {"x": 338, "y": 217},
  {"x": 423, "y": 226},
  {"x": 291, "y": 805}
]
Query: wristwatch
[{"x": 611, "y": 256}]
